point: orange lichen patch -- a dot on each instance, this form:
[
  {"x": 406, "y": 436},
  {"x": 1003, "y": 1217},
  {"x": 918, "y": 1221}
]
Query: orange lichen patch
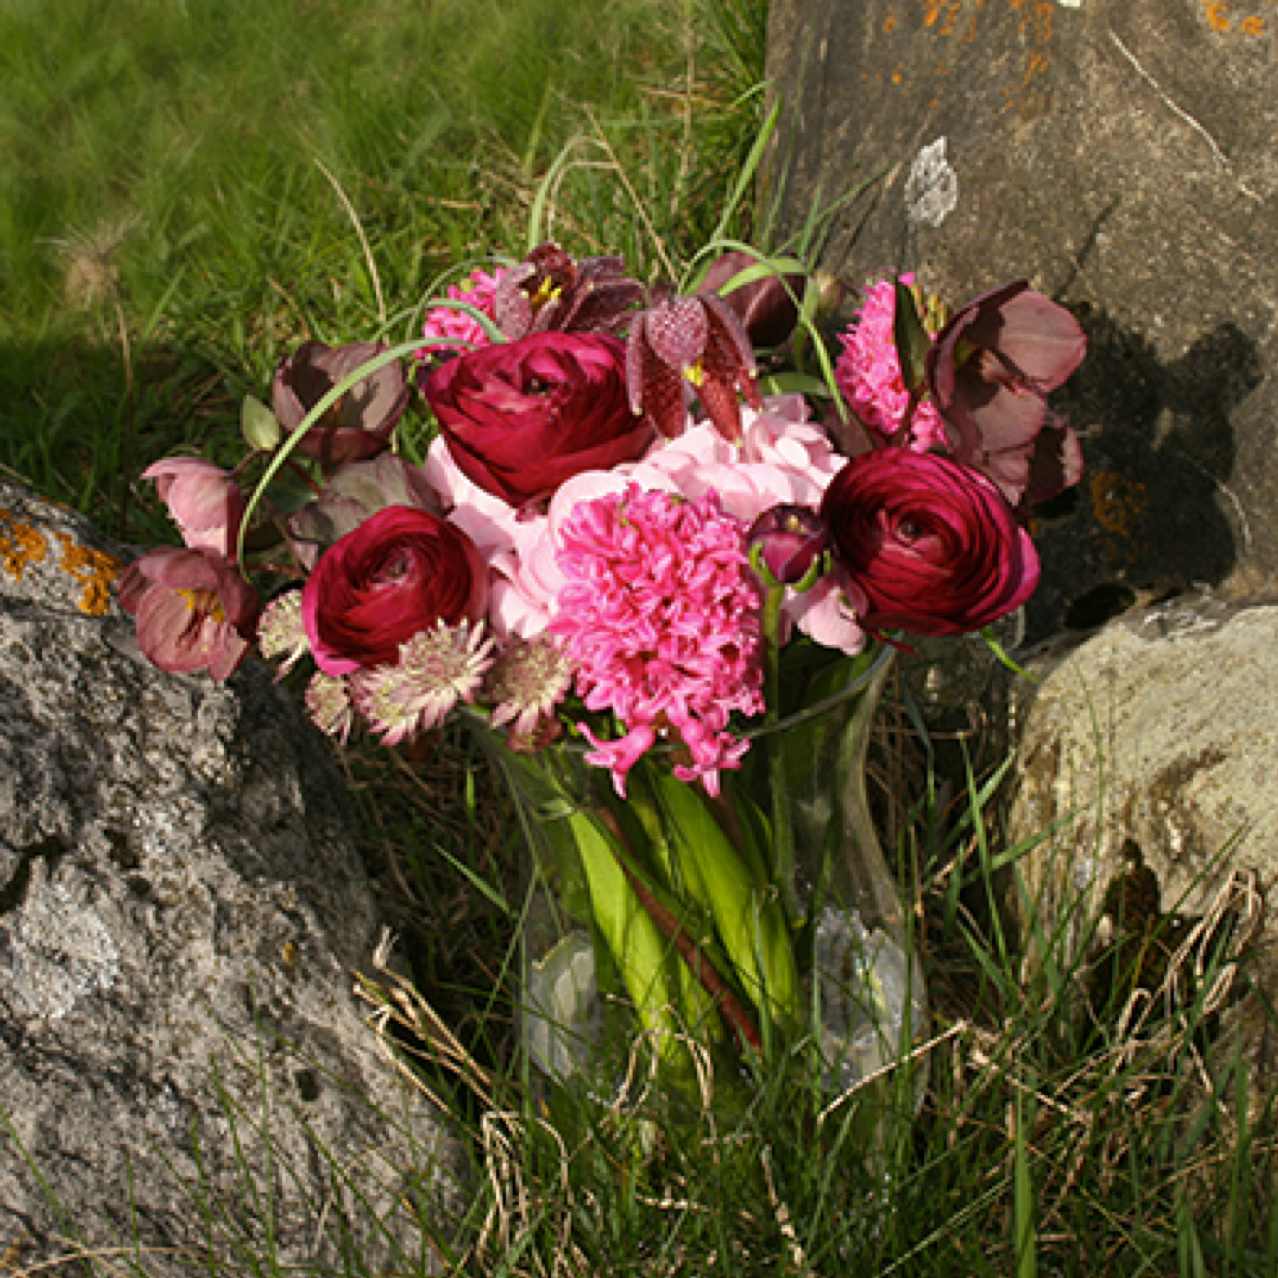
[
  {"x": 20, "y": 545},
  {"x": 1118, "y": 503},
  {"x": 889, "y": 24},
  {"x": 896, "y": 76},
  {"x": 1035, "y": 24},
  {"x": 1253, "y": 25},
  {"x": 95, "y": 570},
  {"x": 942, "y": 9},
  {"x": 1217, "y": 15}
]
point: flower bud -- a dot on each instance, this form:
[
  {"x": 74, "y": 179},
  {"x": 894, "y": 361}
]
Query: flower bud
[
  {"x": 766, "y": 306},
  {"x": 789, "y": 540}
]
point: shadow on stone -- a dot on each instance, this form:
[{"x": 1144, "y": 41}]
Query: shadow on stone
[{"x": 1160, "y": 451}]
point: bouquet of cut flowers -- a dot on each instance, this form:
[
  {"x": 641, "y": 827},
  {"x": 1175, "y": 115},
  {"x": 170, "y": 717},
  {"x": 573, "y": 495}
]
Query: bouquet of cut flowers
[{"x": 663, "y": 599}]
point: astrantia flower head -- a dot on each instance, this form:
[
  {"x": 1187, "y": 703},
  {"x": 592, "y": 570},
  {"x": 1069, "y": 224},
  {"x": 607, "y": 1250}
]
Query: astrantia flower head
[
  {"x": 660, "y": 617},
  {"x": 869, "y": 372},
  {"x": 328, "y": 704},
  {"x": 461, "y": 330},
  {"x": 437, "y": 668},
  {"x": 526, "y": 682},
  {"x": 280, "y": 633}
]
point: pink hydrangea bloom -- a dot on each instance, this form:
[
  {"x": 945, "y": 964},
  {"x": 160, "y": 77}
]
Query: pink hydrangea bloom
[
  {"x": 868, "y": 372},
  {"x": 660, "y": 616},
  {"x": 478, "y": 289}
]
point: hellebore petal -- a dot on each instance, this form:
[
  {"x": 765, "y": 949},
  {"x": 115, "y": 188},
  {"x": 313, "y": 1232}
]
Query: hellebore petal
[
  {"x": 359, "y": 424},
  {"x": 352, "y": 493},
  {"x": 192, "y": 608},
  {"x": 989, "y": 371},
  {"x": 765, "y": 306},
  {"x": 203, "y": 499}
]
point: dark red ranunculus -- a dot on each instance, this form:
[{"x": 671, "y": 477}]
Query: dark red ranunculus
[
  {"x": 401, "y": 571},
  {"x": 790, "y": 540},
  {"x": 522, "y": 417},
  {"x": 931, "y": 543}
]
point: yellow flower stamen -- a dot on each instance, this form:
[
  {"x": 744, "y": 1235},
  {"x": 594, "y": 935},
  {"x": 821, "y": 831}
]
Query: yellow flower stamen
[
  {"x": 204, "y": 601},
  {"x": 547, "y": 291},
  {"x": 695, "y": 373}
]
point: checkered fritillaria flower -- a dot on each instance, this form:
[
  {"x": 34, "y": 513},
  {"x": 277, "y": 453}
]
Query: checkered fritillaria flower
[{"x": 685, "y": 344}]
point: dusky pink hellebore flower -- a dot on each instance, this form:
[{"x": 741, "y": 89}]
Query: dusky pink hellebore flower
[
  {"x": 682, "y": 343},
  {"x": 359, "y": 424},
  {"x": 989, "y": 372},
  {"x": 203, "y": 499},
  {"x": 928, "y": 544},
  {"x": 766, "y": 306},
  {"x": 352, "y": 493},
  {"x": 550, "y": 290},
  {"x": 192, "y": 608}
]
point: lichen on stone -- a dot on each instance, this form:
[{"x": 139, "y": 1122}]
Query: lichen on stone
[
  {"x": 20, "y": 545},
  {"x": 95, "y": 570}
]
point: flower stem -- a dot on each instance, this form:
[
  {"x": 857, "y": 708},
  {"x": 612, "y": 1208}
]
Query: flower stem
[
  {"x": 782, "y": 829},
  {"x": 672, "y": 929}
]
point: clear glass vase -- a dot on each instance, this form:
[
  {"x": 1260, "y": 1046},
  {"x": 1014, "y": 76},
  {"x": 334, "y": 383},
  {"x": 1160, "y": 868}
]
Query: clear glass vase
[
  {"x": 718, "y": 921},
  {"x": 868, "y": 994}
]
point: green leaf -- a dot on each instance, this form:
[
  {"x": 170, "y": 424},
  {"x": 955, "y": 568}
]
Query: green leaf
[
  {"x": 642, "y": 954},
  {"x": 259, "y": 426},
  {"x": 747, "y": 910},
  {"x": 912, "y": 341},
  {"x": 787, "y": 383}
]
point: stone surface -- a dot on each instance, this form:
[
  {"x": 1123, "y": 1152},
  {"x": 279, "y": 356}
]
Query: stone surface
[
  {"x": 1120, "y": 156},
  {"x": 1161, "y": 730},
  {"x": 182, "y": 1062}
]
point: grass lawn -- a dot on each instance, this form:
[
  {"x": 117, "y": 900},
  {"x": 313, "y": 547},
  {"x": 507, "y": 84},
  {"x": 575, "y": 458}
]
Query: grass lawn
[{"x": 187, "y": 197}]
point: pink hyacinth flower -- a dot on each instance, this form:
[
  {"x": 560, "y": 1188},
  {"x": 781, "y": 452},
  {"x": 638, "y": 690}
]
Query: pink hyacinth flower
[
  {"x": 459, "y": 330},
  {"x": 660, "y": 617},
  {"x": 868, "y": 372}
]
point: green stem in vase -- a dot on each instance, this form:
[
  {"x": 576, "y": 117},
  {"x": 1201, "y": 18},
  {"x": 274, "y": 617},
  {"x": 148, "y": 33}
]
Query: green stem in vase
[
  {"x": 782, "y": 829},
  {"x": 747, "y": 912},
  {"x": 629, "y": 931},
  {"x": 694, "y": 956}
]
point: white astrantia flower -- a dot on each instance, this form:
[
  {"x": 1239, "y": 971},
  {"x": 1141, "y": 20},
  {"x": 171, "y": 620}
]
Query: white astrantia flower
[
  {"x": 280, "y": 632},
  {"x": 328, "y": 703},
  {"x": 437, "y": 668},
  {"x": 527, "y": 681}
]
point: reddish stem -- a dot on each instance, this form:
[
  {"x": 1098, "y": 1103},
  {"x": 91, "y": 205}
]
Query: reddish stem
[{"x": 673, "y": 930}]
